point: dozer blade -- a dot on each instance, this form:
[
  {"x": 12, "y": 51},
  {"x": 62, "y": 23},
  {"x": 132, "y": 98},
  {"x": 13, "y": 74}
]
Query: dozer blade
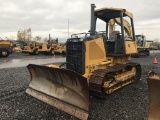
[
  {"x": 153, "y": 81},
  {"x": 61, "y": 88}
]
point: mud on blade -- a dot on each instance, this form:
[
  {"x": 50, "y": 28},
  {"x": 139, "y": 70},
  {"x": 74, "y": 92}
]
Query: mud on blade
[
  {"x": 153, "y": 81},
  {"x": 61, "y": 88}
]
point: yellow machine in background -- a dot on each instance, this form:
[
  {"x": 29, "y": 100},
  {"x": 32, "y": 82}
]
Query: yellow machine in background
[
  {"x": 98, "y": 62},
  {"x": 35, "y": 48},
  {"x": 60, "y": 49},
  {"x": 17, "y": 49},
  {"x": 31, "y": 48},
  {"x": 126, "y": 24},
  {"x": 148, "y": 44},
  {"x": 5, "y": 48},
  {"x": 143, "y": 46},
  {"x": 18, "y": 46},
  {"x": 47, "y": 49}
]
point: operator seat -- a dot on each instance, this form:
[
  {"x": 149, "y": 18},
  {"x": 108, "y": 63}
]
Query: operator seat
[
  {"x": 111, "y": 46},
  {"x": 113, "y": 36}
]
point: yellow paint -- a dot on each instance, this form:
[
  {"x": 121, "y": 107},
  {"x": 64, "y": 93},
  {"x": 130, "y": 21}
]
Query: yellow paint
[
  {"x": 52, "y": 66},
  {"x": 131, "y": 47}
]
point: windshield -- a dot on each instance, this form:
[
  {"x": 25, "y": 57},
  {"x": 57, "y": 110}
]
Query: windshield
[{"x": 141, "y": 40}]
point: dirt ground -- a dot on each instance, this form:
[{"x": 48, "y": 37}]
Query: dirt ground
[{"x": 129, "y": 103}]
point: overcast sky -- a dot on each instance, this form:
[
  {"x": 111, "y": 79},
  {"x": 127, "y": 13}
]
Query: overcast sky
[{"x": 51, "y": 16}]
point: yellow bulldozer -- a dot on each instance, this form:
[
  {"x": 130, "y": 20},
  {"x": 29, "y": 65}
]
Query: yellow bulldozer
[
  {"x": 31, "y": 48},
  {"x": 98, "y": 62},
  {"x": 5, "y": 48},
  {"x": 60, "y": 49},
  {"x": 47, "y": 49},
  {"x": 34, "y": 48}
]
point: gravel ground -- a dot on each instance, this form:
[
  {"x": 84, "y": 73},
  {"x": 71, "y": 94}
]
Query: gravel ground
[{"x": 129, "y": 103}]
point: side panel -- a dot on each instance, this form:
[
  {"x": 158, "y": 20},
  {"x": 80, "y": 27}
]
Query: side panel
[
  {"x": 131, "y": 47},
  {"x": 43, "y": 48},
  {"x": 5, "y": 45},
  {"x": 27, "y": 49},
  {"x": 95, "y": 51}
]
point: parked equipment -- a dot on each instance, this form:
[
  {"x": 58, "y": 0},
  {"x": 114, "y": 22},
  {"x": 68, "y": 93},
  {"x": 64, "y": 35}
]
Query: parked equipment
[
  {"x": 5, "y": 48},
  {"x": 97, "y": 62},
  {"x": 35, "y": 48},
  {"x": 18, "y": 46},
  {"x": 143, "y": 46},
  {"x": 60, "y": 49},
  {"x": 47, "y": 49},
  {"x": 153, "y": 81},
  {"x": 52, "y": 47},
  {"x": 31, "y": 48}
]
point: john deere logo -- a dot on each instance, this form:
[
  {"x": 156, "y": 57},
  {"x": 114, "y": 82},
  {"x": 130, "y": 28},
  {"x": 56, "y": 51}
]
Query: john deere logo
[{"x": 128, "y": 45}]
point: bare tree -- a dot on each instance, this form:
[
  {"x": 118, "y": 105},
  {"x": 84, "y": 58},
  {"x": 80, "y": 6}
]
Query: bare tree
[
  {"x": 38, "y": 38},
  {"x": 24, "y": 35}
]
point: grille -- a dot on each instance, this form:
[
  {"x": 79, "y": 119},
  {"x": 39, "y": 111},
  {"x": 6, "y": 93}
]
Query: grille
[{"x": 75, "y": 56}]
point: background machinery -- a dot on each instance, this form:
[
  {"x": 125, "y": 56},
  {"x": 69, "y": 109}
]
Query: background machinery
[
  {"x": 31, "y": 48},
  {"x": 5, "y": 48},
  {"x": 143, "y": 46},
  {"x": 34, "y": 48},
  {"x": 48, "y": 48},
  {"x": 98, "y": 62},
  {"x": 18, "y": 46},
  {"x": 60, "y": 49}
]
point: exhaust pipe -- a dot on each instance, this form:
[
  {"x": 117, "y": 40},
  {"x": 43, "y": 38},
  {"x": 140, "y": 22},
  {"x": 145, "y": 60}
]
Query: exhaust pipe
[{"x": 93, "y": 20}]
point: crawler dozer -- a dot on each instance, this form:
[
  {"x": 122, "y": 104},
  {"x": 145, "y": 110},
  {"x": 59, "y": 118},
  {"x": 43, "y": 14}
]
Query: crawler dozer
[
  {"x": 98, "y": 63},
  {"x": 153, "y": 81},
  {"x": 60, "y": 49},
  {"x": 35, "y": 48},
  {"x": 47, "y": 49},
  {"x": 31, "y": 48}
]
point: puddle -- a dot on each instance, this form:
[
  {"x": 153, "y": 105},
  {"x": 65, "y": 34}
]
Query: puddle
[{"x": 24, "y": 62}]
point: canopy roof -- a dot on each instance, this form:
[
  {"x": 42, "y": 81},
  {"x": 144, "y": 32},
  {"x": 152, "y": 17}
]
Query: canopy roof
[{"x": 106, "y": 14}]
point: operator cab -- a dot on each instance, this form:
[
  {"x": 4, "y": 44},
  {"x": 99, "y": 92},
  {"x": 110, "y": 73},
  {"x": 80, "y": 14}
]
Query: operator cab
[
  {"x": 115, "y": 43},
  {"x": 141, "y": 40}
]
